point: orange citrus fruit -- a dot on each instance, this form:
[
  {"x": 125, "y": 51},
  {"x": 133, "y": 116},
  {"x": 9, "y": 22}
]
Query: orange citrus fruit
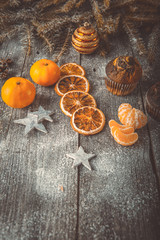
[
  {"x": 123, "y": 111},
  {"x": 131, "y": 116},
  {"x": 88, "y": 120},
  {"x": 18, "y": 92},
  {"x": 126, "y": 130},
  {"x": 73, "y": 100},
  {"x": 45, "y": 72},
  {"x": 72, "y": 69},
  {"x": 125, "y": 139},
  {"x": 140, "y": 119},
  {"x": 71, "y": 82},
  {"x": 113, "y": 123}
]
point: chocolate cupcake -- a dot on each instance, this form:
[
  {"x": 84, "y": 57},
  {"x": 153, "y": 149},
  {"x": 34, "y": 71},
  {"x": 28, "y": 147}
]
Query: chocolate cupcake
[
  {"x": 123, "y": 74},
  {"x": 153, "y": 101}
]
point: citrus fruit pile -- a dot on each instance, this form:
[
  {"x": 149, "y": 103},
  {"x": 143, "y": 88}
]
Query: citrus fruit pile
[
  {"x": 18, "y": 92},
  {"x": 131, "y": 119},
  {"x": 76, "y": 102}
]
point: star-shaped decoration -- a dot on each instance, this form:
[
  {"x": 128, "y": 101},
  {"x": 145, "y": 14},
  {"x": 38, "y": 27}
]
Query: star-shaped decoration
[
  {"x": 43, "y": 114},
  {"x": 31, "y": 122},
  {"x": 80, "y": 157}
]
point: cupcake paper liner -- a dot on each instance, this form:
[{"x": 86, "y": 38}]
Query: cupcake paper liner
[
  {"x": 119, "y": 89},
  {"x": 152, "y": 111}
]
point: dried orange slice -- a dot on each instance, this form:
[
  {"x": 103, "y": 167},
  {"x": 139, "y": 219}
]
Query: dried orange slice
[
  {"x": 70, "y": 83},
  {"x": 126, "y": 130},
  {"x": 125, "y": 139},
  {"x": 73, "y": 100},
  {"x": 72, "y": 69},
  {"x": 88, "y": 120},
  {"x": 131, "y": 116}
]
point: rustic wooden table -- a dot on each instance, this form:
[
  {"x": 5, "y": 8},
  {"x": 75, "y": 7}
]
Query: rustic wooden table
[{"x": 118, "y": 199}]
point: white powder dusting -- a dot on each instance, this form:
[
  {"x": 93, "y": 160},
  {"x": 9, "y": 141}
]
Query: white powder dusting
[
  {"x": 52, "y": 143},
  {"x": 26, "y": 229},
  {"x": 51, "y": 179},
  {"x": 3, "y": 146},
  {"x": 115, "y": 182},
  {"x": 46, "y": 184}
]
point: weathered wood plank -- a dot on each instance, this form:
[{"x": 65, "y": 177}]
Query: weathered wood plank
[
  {"x": 151, "y": 76},
  {"x": 34, "y": 168},
  {"x": 119, "y": 198},
  {"x": 7, "y": 48}
]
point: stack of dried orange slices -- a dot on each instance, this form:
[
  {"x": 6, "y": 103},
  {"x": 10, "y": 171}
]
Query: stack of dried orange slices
[
  {"x": 76, "y": 102},
  {"x": 132, "y": 119}
]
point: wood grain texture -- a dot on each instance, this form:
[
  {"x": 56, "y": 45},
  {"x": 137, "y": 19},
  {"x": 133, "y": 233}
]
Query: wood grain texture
[
  {"x": 42, "y": 197},
  {"x": 7, "y": 49},
  {"x": 34, "y": 168},
  {"x": 150, "y": 77},
  {"x": 119, "y": 198}
]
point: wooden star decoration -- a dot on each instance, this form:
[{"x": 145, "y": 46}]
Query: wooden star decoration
[
  {"x": 31, "y": 122},
  {"x": 43, "y": 114},
  {"x": 80, "y": 157}
]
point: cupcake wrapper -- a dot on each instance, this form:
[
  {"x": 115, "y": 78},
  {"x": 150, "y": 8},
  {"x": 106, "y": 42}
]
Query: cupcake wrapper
[
  {"x": 152, "y": 111},
  {"x": 119, "y": 88}
]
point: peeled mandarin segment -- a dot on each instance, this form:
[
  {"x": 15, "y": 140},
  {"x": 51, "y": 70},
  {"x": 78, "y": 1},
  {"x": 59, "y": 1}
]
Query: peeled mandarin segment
[
  {"x": 125, "y": 139},
  {"x": 131, "y": 117},
  {"x": 126, "y": 130},
  {"x": 70, "y": 83},
  {"x": 88, "y": 120},
  {"x": 72, "y": 68},
  {"x": 140, "y": 119},
  {"x": 113, "y": 123},
  {"x": 123, "y": 111},
  {"x": 73, "y": 100},
  {"x": 123, "y": 116},
  {"x": 124, "y": 106},
  {"x": 113, "y": 130},
  {"x": 129, "y": 120}
]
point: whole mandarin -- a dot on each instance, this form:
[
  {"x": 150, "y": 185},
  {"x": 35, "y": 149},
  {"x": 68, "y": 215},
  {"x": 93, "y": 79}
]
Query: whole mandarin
[
  {"x": 45, "y": 72},
  {"x": 18, "y": 92}
]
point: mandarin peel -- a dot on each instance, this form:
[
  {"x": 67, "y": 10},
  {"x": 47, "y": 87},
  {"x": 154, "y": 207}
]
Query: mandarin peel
[
  {"x": 45, "y": 72},
  {"x": 18, "y": 92}
]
